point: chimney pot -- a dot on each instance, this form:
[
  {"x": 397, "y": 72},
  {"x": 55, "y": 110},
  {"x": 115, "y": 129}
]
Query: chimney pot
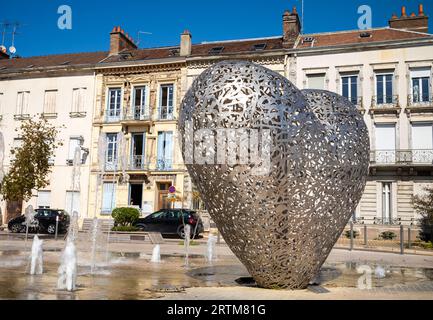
[
  {"x": 421, "y": 10},
  {"x": 403, "y": 11},
  {"x": 413, "y": 14},
  {"x": 294, "y": 11},
  {"x": 394, "y": 16}
]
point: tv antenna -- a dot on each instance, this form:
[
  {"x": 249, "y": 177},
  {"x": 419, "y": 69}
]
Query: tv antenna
[
  {"x": 138, "y": 36},
  {"x": 5, "y": 26}
]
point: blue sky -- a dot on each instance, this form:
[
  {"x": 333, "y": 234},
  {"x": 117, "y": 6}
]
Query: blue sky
[{"x": 92, "y": 20}]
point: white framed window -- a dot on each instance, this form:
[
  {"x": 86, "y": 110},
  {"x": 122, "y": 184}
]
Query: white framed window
[
  {"x": 74, "y": 143},
  {"x": 108, "y": 197},
  {"x": 420, "y": 85},
  {"x": 23, "y": 103},
  {"x": 1, "y": 103},
  {"x": 387, "y": 198},
  {"x": 44, "y": 200},
  {"x": 72, "y": 202},
  {"x": 78, "y": 100},
  {"x": 385, "y": 143},
  {"x": 165, "y": 150},
  {"x": 114, "y": 104},
  {"x": 166, "y": 101},
  {"x": 349, "y": 87},
  {"x": 50, "y": 100},
  {"x": 111, "y": 153},
  {"x": 422, "y": 142},
  {"x": 316, "y": 81},
  {"x": 384, "y": 88},
  {"x": 140, "y": 103}
]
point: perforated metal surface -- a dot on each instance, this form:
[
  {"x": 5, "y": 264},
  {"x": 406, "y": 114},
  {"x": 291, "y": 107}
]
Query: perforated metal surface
[{"x": 281, "y": 224}]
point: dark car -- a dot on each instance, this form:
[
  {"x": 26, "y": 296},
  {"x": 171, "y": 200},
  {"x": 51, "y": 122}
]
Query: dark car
[
  {"x": 169, "y": 221},
  {"x": 44, "y": 221}
]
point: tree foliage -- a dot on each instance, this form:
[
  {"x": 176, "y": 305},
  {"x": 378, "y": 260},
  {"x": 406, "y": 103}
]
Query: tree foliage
[
  {"x": 30, "y": 165},
  {"x": 424, "y": 206}
]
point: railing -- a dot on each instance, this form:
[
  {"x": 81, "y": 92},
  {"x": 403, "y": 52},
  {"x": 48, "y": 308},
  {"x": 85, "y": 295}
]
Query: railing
[
  {"x": 419, "y": 101},
  {"x": 112, "y": 115},
  {"x": 138, "y": 163},
  {"x": 165, "y": 113},
  {"x": 387, "y": 101},
  {"x": 357, "y": 101},
  {"x": 416, "y": 156},
  {"x": 137, "y": 113},
  {"x": 164, "y": 164}
]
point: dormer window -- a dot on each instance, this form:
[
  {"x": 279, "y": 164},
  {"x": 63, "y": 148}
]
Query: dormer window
[
  {"x": 259, "y": 47},
  {"x": 216, "y": 50},
  {"x": 365, "y": 35}
]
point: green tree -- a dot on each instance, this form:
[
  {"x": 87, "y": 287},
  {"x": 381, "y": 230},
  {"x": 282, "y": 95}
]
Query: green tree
[
  {"x": 30, "y": 163},
  {"x": 424, "y": 205}
]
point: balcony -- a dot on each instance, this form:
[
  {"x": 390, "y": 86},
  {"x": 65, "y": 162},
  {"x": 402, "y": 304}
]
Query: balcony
[
  {"x": 385, "y": 104},
  {"x": 417, "y": 104},
  {"x": 138, "y": 163},
  {"x": 112, "y": 116},
  {"x": 136, "y": 115},
  {"x": 401, "y": 157},
  {"x": 358, "y": 102}
]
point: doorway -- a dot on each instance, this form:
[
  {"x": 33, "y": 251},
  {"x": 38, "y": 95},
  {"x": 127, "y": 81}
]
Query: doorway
[
  {"x": 136, "y": 195},
  {"x": 163, "y": 201}
]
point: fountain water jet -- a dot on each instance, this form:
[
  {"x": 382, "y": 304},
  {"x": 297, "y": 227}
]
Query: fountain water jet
[
  {"x": 68, "y": 268},
  {"x": 187, "y": 240},
  {"x": 36, "y": 257},
  {"x": 30, "y": 219},
  {"x": 156, "y": 254},
  {"x": 210, "y": 252}
]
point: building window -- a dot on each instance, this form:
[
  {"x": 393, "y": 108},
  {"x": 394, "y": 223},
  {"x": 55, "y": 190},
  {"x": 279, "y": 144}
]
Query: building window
[
  {"x": 108, "y": 197},
  {"x": 74, "y": 143},
  {"x": 165, "y": 151},
  {"x": 1, "y": 104},
  {"x": 166, "y": 102},
  {"x": 420, "y": 83},
  {"x": 385, "y": 139},
  {"x": 78, "y": 98},
  {"x": 73, "y": 202},
  {"x": 138, "y": 160},
  {"x": 44, "y": 199},
  {"x": 114, "y": 104},
  {"x": 50, "y": 102},
  {"x": 140, "y": 109},
  {"x": 386, "y": 202},
  {"x": 316, "y": 81},
  {"x": 22, "y": 110},
  {"x": 384, "y": 88},
  {"x": 349, "y": 88},
  {"x": 111, "y": 154},
  {"x": 422, "y": 143}
]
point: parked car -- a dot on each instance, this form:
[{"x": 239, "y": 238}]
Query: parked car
[
  {"x": 44, "y": 221},
  {"x": 169, "y": 221}
]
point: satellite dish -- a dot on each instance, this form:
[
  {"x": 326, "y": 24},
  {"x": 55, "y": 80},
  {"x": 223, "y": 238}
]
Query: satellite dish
[
  {"x": 12, "y": 50},
  {"x": 3, "y": 49}
]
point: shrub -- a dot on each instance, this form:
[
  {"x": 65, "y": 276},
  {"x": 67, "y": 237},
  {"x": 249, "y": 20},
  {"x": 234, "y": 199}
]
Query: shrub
[
  {"x": 355, "y": 234},
  {"x": 387, "y": 235},
  {"x": 125, "y": 229},
  {"x": 124, "y": 217}
]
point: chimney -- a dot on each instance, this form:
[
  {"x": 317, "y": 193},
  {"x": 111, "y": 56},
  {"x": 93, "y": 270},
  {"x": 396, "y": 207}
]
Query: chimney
[
  {"x": 185, "y": 44},
  {"x": 291, "y": 27},
  {"x": 413, "y": 22},
  {"x": 119, "y": 40}
]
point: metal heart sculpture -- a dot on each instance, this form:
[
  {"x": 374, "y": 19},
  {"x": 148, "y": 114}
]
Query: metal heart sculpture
[{"x": 281, "y": 222}]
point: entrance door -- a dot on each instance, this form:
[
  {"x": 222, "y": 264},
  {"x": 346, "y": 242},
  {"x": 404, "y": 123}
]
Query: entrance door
[
  {"x": 163, "y": 201},
  {"x": 385, "y": 143},
  {"x": 136, "y": 195}
]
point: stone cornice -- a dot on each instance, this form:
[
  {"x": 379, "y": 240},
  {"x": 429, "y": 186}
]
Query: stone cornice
[{"x": 162, "y": 67}]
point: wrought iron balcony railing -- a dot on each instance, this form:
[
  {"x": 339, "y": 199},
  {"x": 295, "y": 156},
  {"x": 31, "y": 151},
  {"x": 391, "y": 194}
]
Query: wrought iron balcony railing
[
  {"x": 112, "y": 115},
  {"x": 137, "y": 113},
  {"x": 416, "y": 156},
  {"x": 419, "y": 101},
  {"x": 139, "y": 163},
  {"x": 386, "y": 101}
]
